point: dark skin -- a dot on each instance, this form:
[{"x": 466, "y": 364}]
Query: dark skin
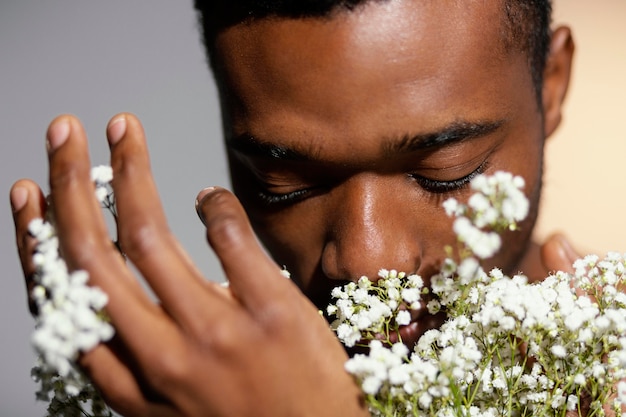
[
  {"x": 356, "y": 198},
  {"x": 323, "y": 138}
]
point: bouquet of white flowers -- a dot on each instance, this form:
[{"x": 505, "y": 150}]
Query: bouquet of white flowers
[{"x": 507, "y": 348}]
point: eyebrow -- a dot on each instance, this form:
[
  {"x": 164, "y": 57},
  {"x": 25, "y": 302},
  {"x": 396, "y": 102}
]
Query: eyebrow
[
  {"x": 454, "y": 133},
  {"x": 457, "y": 132},
  {"x": 249, "y": 145}
]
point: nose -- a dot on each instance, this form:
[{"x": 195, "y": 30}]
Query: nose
[{"x": 372, "y": 227}]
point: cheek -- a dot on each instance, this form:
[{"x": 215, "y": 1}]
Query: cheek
[{"x": 295, "y": 238}]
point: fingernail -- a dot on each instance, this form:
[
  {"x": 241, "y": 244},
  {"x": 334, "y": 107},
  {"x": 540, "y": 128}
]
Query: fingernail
[
  {"x": 58, "y": 133},
  {"x": 202, "y": 194},
  {"x": 19, "y": 197},
  {"x": 116, "y": 130},
  {"x": 199, "y": 198},
  {"x": 568, "y": 250}
]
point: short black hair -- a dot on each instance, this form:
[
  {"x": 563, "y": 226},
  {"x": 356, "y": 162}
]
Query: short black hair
[{"x": 526, "y": 23}]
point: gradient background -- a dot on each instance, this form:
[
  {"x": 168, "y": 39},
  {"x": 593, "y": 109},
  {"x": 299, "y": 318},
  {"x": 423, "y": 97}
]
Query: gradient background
[{"x": 97, "y": 58}]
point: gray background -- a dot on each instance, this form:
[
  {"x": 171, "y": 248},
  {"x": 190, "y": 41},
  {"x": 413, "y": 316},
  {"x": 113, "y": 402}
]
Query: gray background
[
  {"x": 97, "y": 58},
  {"x": 94, "y": 59}
]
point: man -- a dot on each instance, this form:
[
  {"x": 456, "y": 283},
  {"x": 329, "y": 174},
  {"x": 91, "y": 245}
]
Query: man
[{"x": 347, "y": 125}]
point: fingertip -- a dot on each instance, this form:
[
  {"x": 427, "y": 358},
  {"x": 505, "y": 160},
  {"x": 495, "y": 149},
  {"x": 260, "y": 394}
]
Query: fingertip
[
  {"x": 125, "y": 125},
  {"x": 572, "y": 253},
  {"x": 18, "y": 197},
  {"x": 203, "y": 193},
  {"x": 58, "y": 132},
  {"x": 552, "y": 246},
  {"x": 558, "y": 253},
  {"x": 21, "y": 193},
  {"x": 116, "y": 129},
  {"x": 565, "y": 246},
  {"x": 224, "y": 218},
  {"x": 199, "y": 199}
]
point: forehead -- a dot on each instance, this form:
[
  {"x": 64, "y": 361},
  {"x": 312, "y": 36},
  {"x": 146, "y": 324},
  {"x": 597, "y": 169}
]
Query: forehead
[{"x": 366, "y": 71}]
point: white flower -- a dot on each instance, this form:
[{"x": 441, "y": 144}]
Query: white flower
[
  {"x": 580, "y": 379},
  {"x": 433, "y": 306},
  {"x": 348, "y": 334},
  {"x": 101, "y": 174},
  {"x": 101, "y": 194},
  {"x": 482, "y": 244},
  {"x": 371, "y": 385},
  {"x": 410, "y": 295},
  {"x": 467, "y": 270},
  {"x": 621, "y": 392},
  {"x": 452, "y": 207},
  {"x": 403, "y": 318},
  {"x": 425, "y": 400},
  {"x": 69, "y": 320}
]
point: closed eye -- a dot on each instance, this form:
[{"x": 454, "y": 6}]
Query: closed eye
[
  {"x": 447, "y": 186},
  {"x": 272, "y": 198}
]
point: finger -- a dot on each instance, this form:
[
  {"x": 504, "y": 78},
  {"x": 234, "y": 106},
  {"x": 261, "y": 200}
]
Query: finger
[
  {"x": 27, "y": 203},
  {"x": 84, "y": 239},
  {"x": 254, "y": 278},
  {"x": 141, "y": 326},
  {"x": 143, "y": 231},
  {"x": 119, "y": 386},
  {"x": 558, "y": 254}
]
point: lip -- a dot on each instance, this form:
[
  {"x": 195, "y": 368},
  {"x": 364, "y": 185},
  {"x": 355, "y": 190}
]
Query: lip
[{"x": 421, "y": 322}]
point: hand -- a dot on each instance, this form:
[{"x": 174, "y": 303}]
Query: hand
[{"x": 259, "y": 348}]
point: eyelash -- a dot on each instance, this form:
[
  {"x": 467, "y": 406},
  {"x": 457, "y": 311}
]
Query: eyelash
[
  {"x": 270, "y": 198},
  {"x": 441, "y": 187},
  {"x": 433, "y": 186}
]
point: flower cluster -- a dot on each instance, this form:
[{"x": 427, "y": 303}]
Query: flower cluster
[
  {"x": 508, "y": 347},
  {"x": 365, "y": 310},
  {"x": 102, "y": 175},
  {"x": 69, "y": 321},
  {"x": 498, "y": 203}
]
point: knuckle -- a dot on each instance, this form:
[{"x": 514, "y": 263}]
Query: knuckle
[
  {"x": 168, "y": 368},
  {"x": 278, "y": 321},
  {"x": 226, "y": 338},
  {"x": 80, "y": 250},
  {"x": 220, "y": 336},
  {"x": 26, "y": 247},
  {"x": 224, "y": 232},
  {"x": 125, "y": 164},
  {"x": 25, "y": 242},
  {"x": 140, "y": 240}
]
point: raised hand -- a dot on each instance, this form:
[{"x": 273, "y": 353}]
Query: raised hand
[{"x": 258, "y": 348}]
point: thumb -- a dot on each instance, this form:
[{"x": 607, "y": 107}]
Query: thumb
[{"x": 557, "y": 254}]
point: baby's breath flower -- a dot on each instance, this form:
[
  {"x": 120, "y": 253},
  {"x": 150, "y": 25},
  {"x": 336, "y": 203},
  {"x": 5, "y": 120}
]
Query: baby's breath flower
[
  {"x": 70, "y": 318},
  {"x": 477, "y": 362},
  {"x": 558, "y": 351}
]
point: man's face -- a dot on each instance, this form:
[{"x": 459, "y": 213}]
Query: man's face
[{"x": 346, "y": 134}]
